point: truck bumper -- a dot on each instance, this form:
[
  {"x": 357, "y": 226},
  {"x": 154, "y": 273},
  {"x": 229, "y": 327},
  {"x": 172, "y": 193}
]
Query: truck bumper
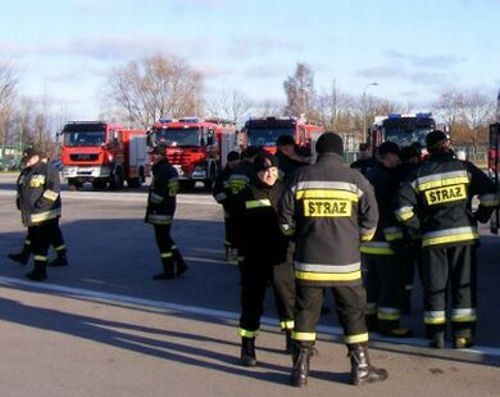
[{"x": 86, "y": 173}]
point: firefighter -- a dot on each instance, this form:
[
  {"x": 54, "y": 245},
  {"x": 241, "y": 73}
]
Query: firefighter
[
  {"x": 383, "y": 270},
  {"x": 436, "y": 203},
  {"x": 330, "y": 208},
  {"x": 365, "y": 160},
  {"x": 265, "y": 252},
  {"x": 221, "y": 195},
  {"x": 409, "y": 254},
  {"x": 160, "y": 212},
  {"x": 288, "y": 158},
  {"x": 239, "y": 180},
  {"x": 39, "y": 201},
  {"x": 57, "y": 242}
]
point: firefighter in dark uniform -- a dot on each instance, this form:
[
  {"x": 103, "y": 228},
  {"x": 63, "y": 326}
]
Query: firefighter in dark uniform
[
  {"x": 160, "y": 212},
  {"x": 409, "y": 254},
  {"x": 239, "y": 180},
  {"x": 57, "y": 243},
  {"x": 436, "y": 203},
  {"x": 330, "y": 208},
  {"x": 288, "y": 158},
  {"x": 265, "y": 250},
  {"x": 384, "y": 272},
  {"x": 39, "y": 201},
  {"x": 221, "y": 195},
  {"x": 365, "y": 161}
]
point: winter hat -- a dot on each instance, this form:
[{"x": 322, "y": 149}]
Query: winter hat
[
  {"x": 435, "y": 139},
  {"x": 264, "y": 161}
]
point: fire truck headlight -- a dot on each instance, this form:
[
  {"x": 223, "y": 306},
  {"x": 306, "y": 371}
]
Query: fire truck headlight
[{"x": 110, "y": 158}]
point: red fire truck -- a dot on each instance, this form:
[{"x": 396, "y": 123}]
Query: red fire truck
[
  {"x": 403, "y": 129},
  {"x": 196, "y": 147},
  {"x": 264, "y": 131},
  {"x": 103, "y": 154}
]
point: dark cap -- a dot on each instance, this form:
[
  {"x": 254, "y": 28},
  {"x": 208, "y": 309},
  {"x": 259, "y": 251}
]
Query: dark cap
[
  {"x": 409, "y": 152},
  {"x": 250, "y": 152},
  {"x": 284, "y": 140},
  {"x": 32, "y": 151},
  {"x": 161, "y": 148},
  {"x": 264, "y": 161},
  {"x": 435, "y": 139},
  {"x": 232, "y": 155},
  {"x": 388, "y": 147},
  {"x": 330, "y": 142}
]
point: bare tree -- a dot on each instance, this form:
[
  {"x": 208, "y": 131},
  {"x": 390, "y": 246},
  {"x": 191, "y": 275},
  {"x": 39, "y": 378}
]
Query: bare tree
[
  {"x": 231, "y": 105},
  {"x": 268, "y": 108},
  {"x": 477, "y": 111},
  {"x": 448, "y": 108},
  {"x": 333, "y": 108},
  {"x": 153, "y": 87},
  {"x": 9, "y": 79},
  {"x": 300, "y": 94}
]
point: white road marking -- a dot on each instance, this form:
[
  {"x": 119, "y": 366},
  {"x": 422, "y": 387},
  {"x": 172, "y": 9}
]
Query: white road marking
[{"x": 336, "y": 332}]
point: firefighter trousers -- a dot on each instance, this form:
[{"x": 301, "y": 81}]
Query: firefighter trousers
[
  {"x": 40, "y": 237},
  {"x": 168, "y": 250},
  {"x": 455, "y": 269},
  {"x": 229, "y": 230},
  {"x": 255, "y": 277},
  {"x": 56, "y": 238},
  {"x": 383, "y": 288},
  {"x": 350, "y": 304}
]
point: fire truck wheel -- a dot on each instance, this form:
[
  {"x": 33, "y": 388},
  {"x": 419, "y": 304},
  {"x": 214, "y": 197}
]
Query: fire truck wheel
[
  {"x": 74, "y": 185},
  {"x": 99, "y": 184}
]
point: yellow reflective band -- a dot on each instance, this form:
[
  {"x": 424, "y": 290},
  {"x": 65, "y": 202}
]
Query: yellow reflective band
[
  {"x": 37, "y": 181},
  {"x": 367, "y": 236},
  {"x": 388, "y": 316},
  {"x": 405, "y": 214},
  {"x": 45, "y": 216},
  {"x": 442, "y": 183},
  {"x": 446, "y": 194},
  {"x": 257, "y": 203},
  {"x": 376, "y": 250},
  {"x": 240, "y": 258},
  {"x": 434, "y": 320},
  {"x": 359, "y": 338},
  {"x": 489, "y": 200},
  {"x": 309, "y": 276},
  {"x": 155, "y": 198},
  {"x": 370, "y": 310},
  {"x": 304, "y": 336},
  {"x": 227, "y": 243},
  {"x": 50, "y": 195},
  {"x": 220, "y": 197},
  {"x": 287, "y": 230},
  {"x": 288, "y": 324},
  {"x": 464, "y": 318},
  {"x": 60, "y": 247},
  {"x": 27, "y": 242},
  {"x": 326, "y": 194},
  {"x": 454, "y": 238},
  {"x": 248, "y": 334},
  {"x": 40, "y": 258},
  {"x": 174, "y": 247},
  {"x": 166, "y": 255},
  {"x": 327, "y": 208},
  {"x": 159, "y": 219}
]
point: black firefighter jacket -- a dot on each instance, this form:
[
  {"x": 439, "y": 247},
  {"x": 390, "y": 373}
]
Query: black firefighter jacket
[
  {"x": 436, "y": 201},
  {"x": 258, "y": 234},
  {"x": 38, "y": 198},
  {"x": 385, "y": 182},
  {"x": 329, "y": 208},
  {"x": 162, "y": 194},
  {"x": 221, "y": 187}
]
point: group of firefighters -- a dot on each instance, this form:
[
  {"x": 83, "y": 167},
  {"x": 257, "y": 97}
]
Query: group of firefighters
[{"x": 304, "y": 228}]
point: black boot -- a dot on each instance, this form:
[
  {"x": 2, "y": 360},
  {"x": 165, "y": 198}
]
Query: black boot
[
  {"x": 247, "y": 357},
  {"x": 301, "y": 357},
  {"x": 436, "y": 340},
  {"x": 60, "y": 260},
  {"x": 21, "y": 257},
  {"x": 361, "y": 369},
  {"x": 180, "y": 264},
  {"x": 168, "y": 270},
  {"x": 39, "y": 272}
]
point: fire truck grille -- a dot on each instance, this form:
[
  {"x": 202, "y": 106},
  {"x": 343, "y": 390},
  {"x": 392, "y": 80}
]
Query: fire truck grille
[
  {"x": 179, "y": 159},
  {"x": 83, "y": 156}
]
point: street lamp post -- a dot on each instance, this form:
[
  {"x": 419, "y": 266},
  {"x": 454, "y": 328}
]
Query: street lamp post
[{"x": 374, "y": 83}]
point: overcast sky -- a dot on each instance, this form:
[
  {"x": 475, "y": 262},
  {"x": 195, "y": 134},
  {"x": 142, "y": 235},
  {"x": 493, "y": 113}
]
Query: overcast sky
[{"x": 412, "y": 49}]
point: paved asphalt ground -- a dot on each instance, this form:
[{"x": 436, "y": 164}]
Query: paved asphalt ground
[{"x": 102, "y": 327}]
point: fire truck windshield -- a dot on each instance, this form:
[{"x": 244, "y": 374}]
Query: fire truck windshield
[
  {"x": 84, "y": 138},
  {"x": 267, "y": 136},
  {"x": 405, "y": 137},
  {"x": 178, "y": 136}
]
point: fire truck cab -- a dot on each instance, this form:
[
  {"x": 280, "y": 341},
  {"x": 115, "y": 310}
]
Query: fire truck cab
[
  {"x": 196, "y": 147},
  {"x": 263, "y": 132},
  {"x": 402, "y": 129},
  {"x": 103, "y": 153}
]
